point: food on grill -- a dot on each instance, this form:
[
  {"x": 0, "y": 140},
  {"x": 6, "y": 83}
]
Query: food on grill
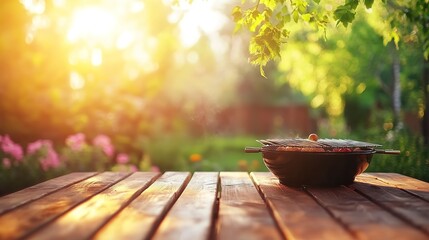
[{"x": 313, "y": 137}]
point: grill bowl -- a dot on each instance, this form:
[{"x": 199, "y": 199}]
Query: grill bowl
[{"x": 322, "y": 169}]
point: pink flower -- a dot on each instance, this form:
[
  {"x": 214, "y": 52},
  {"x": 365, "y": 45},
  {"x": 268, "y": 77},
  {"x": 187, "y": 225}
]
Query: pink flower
[
  {"x": 50, "y": 161},
  {"x": 103, "y": 142},
  {"x": 133, "y": 168},
  {"x": 122, "y": 158},
  {"x": 34, "y": 147},
  {"x": 76, "y": 142},
  {"x": 7, "y": 163},
  {"x": 8, "y": 146},
  {"x": 37, "y": 145},
  {"x": 50, "y": 158}
]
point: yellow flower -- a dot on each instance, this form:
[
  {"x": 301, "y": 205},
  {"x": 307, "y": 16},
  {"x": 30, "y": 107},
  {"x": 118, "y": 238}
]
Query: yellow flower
[
  {"x": 255, "y": 165},
  {"x": 195, "y": 157},
  {"x": 242, "y": 165}
]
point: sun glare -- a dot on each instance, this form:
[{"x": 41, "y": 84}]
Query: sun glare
[
  {"x": 91, "y": 23},
  {"x": 95, "y": 33},
  {"x": 76, "y": 81},
  {"x": 198, "y": 17}
]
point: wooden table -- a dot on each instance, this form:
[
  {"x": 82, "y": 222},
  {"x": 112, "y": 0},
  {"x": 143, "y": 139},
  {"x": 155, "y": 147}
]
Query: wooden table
[{"x": 211, "y": 205}]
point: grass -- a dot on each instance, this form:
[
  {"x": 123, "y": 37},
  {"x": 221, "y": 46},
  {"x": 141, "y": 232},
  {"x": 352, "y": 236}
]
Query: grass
[
  {"x": 413, "y": 160},
  {"x": 224, "y": 154}
]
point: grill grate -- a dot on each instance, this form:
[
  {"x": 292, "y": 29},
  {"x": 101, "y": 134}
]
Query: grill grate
[{"x": 321, "y": 143}]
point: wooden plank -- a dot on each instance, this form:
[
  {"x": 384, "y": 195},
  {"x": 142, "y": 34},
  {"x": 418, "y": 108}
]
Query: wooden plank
[
  {"x": 27, "y": 218},
  {"x": 32, "y": 193},
  {"x": 191, "y": 217},
  {"x": 84, "y": 220},
  {"x": 242, "y": 212},
  {"x": 293, "y": 208},
  {"x": 411, "y": 185},
  {"x": 362, "y": 217},
  {"x": 142, "y": 216},
  {"x": 409, "y": 207}
]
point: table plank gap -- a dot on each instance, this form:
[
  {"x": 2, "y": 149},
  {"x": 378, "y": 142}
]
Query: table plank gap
[
  {"x": 403, "y": 205},
  {"x": 413, "y": 186},
  {"x": 362, "y": 216},
  {"x": 27, "y": 195},
  {"x": 191, "y": 217},
  {"x": 29, "y": 217},
  {"x": 292, "y": 207},
  {"x": 83, "y": 221},
  {"x": 243, "y": 211},
  {"x": 141, "y": 218},
  {"x": 213, "y": 234}
]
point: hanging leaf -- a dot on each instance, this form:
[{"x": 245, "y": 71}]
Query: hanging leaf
[
  {"x": 295, "y": 16},
  {"x": 271, "y": 4},
  {"x": 237, "y": 14},
  {"x": 368, "y": 3},
  {"x": 306, "y": 17}
]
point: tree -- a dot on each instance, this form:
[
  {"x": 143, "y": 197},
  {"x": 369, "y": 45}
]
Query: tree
[{"x": 270, "y": 22}]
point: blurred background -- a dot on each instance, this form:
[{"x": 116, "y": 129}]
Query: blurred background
[{"x": 154, "y": 86}]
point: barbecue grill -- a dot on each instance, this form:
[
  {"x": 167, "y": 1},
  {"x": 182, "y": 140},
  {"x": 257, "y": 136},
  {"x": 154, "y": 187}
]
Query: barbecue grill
[{"x": 324, "y": 162}]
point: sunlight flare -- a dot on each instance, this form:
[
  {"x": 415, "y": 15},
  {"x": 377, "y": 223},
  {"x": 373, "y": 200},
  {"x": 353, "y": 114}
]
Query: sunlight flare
[
  {"x": 76, "y": 81},
  {"x": 199, "y": 18},
  {"x": 91, "y": 23}
]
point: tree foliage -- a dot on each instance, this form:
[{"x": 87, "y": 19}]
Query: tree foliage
[
  {"x": 406, "y": 21},
  {"x": 270, "y": 22}
]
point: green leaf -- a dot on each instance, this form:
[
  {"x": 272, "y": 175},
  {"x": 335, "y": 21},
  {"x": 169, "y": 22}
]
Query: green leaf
[
  {"x": 395, "y": 37},
  {"x": 261, "y": 70},
  {"x": 285, "y": 33},
  {"x": 343, "y": 14},
  {"x": 302, "y": 9},
  {"x": 295, "y": 16},
  {"x": 352, "y": 3},
  {"x": 254, "y": 14},
  {"x": 306, "y": 17},
  {"x": 368, "y": 3},
  {"x": 237, "y": 14},
  {"x": 267, "y": 14},
  {"x": 271, "y": 4},
  {"x": 256, "y": 20},
  {"x": 238, "y": 26}
]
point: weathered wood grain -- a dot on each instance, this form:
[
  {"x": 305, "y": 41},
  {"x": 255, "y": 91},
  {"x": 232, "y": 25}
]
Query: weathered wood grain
[
  {"x": 297, "y": 213},
  {"x": 365, "y": 219},
  {"x": 25, "y": 219},
  {"x": 142, "y": 216},
  {"x": 242, "y": 212},
  {"x": 32, "y": 193},
  {"x": 401, "y": 203},
  {"x": 191, "y": 217},
  {"x": 411, "y": 185},
  {"x": 83, "y": 221},
  {"x": 123, "y": 206}
]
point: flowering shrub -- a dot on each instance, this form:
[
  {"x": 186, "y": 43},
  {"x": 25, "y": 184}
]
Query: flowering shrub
[
  {"x": 19, "y": 169},
  {"x": 48, "y": 157},
  {"x": 11, "y": 151},
  {"x": 41, "y": 161}
]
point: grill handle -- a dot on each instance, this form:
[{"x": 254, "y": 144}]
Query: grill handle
[
  {"x": 252, "y": 149},
  {"x": 388, "y": 151}
]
